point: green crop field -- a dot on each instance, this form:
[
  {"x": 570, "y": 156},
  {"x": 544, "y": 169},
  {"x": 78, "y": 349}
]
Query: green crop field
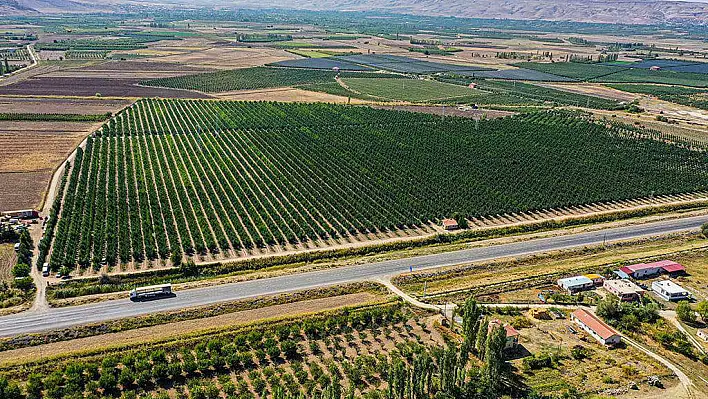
[
  {"x": 691, "y": 97},
  {"x": 663, "y": 77},
  {"x": 413, "y": 90},
  {"x": 198, "y": 176},
  {"x": 616, "y": 74},
  {"x": 252, "y": 78},
  {"x": 574, "y": 70}
]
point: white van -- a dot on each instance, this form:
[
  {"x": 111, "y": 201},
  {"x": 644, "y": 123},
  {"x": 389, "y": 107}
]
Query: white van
[
  {"x": 17, "y": 247},
  {"x": 45, "y": 269}
]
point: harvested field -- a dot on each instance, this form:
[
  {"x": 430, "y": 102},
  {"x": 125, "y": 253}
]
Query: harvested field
[
  {"x": 60, "y": 105},
  {"x": 89, "y": 87},
  {"x": 285, "y": 95},
  {"x": 170, "y": 331},
  {"x": 229, "y": 57},
  {"x": 23, "y": 190}
]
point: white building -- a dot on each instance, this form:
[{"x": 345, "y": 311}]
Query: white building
[
  {"x": 576, "y": 284},
  {"x": 669, "y": 290}
]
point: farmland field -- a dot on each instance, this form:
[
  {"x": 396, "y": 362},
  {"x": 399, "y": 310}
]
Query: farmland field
[
  {"x": 691, "y": 97},
  {"x": 615, "y": 74},
  {"x": 412, "y": 90},
  {"x": 205, "y": 176},
  {"x": 251, "y": 78}
]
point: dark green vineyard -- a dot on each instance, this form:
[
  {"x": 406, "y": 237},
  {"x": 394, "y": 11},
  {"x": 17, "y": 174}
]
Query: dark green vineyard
[{"x": 170, "y": 176}]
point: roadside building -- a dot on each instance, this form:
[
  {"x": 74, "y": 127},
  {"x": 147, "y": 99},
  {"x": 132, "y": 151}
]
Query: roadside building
[
  {"x": 576, "y": 284},
  {"x": 512, "y": 336},
  {"x": 597, "y": 328},
  {"x": 620, "y": 274},
  {"x": 670, "y": 267},
  {"x": 625, "y": 290},
  {"x": 597, "y": 279},
  {"x": 642, "y": 270},
  {"x": 669, "y": 290},
  {"x": 450, "y": 224}
]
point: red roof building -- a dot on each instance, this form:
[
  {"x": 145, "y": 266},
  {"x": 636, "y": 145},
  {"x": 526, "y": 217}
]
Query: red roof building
[
  {"x": 597, "y": 328},
  {"x": 670, "y": 266},
  {"x": 450, "y": 224},
  {"x": 512, "y": 336},
  {"x": 641, "y": 270}
]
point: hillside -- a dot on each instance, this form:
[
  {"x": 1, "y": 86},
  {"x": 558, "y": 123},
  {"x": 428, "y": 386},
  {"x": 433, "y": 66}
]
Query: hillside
[{"x": 605, "y": 11}]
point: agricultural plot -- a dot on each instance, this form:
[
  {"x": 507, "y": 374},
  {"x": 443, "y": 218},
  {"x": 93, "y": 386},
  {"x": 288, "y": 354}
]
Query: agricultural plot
[
  {"x": 322, "y": 63},
  {"x": 14, "y": 54},
  {"x": 668, "y": 77},
  {"x": 691, "y": 97},
  {"x": 572, "y": 70},
  {"x": 253, "y": 78},
  {"x": 405, "y": 64},
  {"x": 196, "y": 176},
  {"x": 517, "y": 74},
  {"x": 619, "y": 74},
  {"x": 85, "y": 55},
  {"x": 412, "y": 90}
]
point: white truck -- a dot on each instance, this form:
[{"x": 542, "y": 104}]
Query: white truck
[{"x": 151, "y": 291}]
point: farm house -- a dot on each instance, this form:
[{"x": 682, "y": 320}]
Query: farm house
[
  {"x": 576, "y": 284},
  {"x": 642, "y": 270},
  {"x": 512, "y": 336},
  {"x": 597, "y": 328},
  {"x": 669, "y": 290},
  {"x": 625, "y": 290}
]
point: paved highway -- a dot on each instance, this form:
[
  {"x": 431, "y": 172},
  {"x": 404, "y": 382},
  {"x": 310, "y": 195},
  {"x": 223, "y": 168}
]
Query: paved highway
[{"x": 29, "y": 322}]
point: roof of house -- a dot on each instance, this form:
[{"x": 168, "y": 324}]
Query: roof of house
[
  {"x": 449, "y": 222},
  {"x": 639, "y": 266},
  {"x": 594, "y": 323},
  {"x": 593, "y": 276},
  {"x": 669, "y": 266},
  {"x": 621, "y": 274},
  {"x": 669, "y": 286},
  {"x": 510, "y": 331},
  {"x": 574, "y": 281},
  {"x": 624, "y": 286}
]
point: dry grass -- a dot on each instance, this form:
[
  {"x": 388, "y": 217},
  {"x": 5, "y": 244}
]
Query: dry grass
[
  {"x": 173, "y": 330},
  {"x": 7, "y": 261},
  {"x": 286, "y": 95},
  {"x": 621, "y": 365},
  {"x": 23, "y": 190}
]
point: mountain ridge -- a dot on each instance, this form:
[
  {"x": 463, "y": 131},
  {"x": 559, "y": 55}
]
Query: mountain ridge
[{"x": 601, "y": 11}]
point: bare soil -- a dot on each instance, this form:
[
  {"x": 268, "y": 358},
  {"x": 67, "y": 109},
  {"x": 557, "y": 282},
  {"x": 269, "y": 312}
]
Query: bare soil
[
  {"x": 89, "y": 87},
  {"x": 22, "y": 190},
  {"x": 60, "y": 105}
]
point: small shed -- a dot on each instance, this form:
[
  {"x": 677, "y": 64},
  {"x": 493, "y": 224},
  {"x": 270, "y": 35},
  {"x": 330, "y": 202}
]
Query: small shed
[
  {"x": 472, "y": 85},
  {"x": 655, "y": 68},
  {"x": 576, "y": 284},
  {"x": 450, "y": 224},
  {"x": 597, "y": 279}
]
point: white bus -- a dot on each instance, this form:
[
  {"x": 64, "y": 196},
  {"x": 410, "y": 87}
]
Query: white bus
[{"x": 151, "y": 291}]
